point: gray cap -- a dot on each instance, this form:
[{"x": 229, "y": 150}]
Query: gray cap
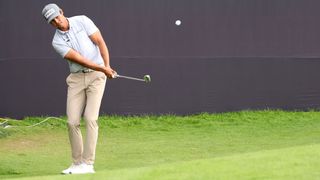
[{"x": 50, "y": 11}]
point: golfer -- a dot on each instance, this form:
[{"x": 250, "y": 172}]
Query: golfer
[{"x": 80, "y": 42}]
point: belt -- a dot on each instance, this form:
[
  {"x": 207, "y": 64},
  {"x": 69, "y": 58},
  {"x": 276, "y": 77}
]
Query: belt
[{"x": 85, "y": 70}]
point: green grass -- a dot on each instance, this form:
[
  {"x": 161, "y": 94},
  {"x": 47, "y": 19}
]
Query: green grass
[{"x": 238, "y": 145}]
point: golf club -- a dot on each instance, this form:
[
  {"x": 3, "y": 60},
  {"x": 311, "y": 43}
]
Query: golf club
[{"x": 146, "y": 78}]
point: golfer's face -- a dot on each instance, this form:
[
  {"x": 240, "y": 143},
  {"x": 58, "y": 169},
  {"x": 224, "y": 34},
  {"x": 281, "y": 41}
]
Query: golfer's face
[{"x": 59, "y": 22}]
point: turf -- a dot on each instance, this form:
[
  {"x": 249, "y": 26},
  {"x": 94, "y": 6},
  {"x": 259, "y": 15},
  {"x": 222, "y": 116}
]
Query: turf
[{"x": 238, "y": 145}]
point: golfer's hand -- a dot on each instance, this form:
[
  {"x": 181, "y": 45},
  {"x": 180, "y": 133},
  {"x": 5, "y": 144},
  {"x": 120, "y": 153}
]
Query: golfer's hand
[{"x": 109, "y": 72}]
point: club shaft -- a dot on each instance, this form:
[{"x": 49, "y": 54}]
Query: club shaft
[{"x": 128, "y": 77}]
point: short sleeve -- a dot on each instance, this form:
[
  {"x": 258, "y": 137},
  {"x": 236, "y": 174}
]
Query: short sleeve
[
  {"x": 61, "y": 48},
  {"x": 89, "y": 25}
]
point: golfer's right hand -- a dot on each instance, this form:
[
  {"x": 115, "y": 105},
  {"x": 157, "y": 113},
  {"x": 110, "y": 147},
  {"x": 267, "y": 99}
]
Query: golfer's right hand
[{"x": 109, "y": 72}]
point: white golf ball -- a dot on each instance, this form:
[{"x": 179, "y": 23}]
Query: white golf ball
[{"x": 178, "y": 22}]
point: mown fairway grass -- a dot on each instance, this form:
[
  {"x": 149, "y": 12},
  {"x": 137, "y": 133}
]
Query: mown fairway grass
[{"x": 238, "y": 145}]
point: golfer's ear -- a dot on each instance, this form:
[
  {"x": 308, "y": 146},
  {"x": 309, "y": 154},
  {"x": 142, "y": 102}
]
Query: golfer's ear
[{"x": 61, "y": 12}]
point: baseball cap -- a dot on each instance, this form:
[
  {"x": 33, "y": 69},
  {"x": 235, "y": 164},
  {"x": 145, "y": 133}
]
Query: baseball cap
[{"x": 50, "y": 11}]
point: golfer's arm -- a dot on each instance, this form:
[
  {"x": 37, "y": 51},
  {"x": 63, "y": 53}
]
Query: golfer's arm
[
  {"x": 74, "y": 56},
  {"x": 97, "y": 39}
]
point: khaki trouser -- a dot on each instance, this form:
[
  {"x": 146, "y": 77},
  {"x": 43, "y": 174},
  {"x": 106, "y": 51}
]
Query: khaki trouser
[{"x": 85, "y": 91}]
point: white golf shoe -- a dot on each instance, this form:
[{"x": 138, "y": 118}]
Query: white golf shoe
[
  {"x": 87, "y": 168},
  {"x": 79, "y": 169}
]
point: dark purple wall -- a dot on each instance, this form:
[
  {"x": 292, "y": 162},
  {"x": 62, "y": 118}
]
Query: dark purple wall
[{"x": 227, "y": 55}]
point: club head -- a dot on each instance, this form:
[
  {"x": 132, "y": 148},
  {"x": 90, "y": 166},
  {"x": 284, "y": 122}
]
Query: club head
[{"x": 147, "y": 78}]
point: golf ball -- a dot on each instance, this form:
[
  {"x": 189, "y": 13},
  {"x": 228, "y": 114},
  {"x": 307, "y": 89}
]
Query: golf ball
[
  {"x": 178, "y": 22},
  {"x": 147, "y": 78}
]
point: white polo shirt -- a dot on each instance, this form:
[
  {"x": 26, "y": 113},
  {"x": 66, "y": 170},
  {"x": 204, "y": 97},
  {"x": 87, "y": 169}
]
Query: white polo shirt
[{"x": 77, "y": 38}]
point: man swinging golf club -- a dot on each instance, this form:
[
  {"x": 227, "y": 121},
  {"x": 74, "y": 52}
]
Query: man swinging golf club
[{"x": 80, "y": 42}]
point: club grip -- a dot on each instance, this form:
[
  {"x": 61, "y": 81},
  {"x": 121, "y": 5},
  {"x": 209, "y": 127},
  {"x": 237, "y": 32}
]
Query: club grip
[{"x": 115, "y": 75}]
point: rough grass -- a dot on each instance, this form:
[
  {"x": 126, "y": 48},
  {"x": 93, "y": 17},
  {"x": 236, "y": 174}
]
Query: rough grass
[{"x": 238, "y": 145}]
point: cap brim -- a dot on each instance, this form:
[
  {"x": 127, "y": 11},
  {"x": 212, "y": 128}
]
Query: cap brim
[{"x": 52, "y": 17}]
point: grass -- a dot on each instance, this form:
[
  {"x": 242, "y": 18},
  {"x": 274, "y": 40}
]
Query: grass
[{"x": 237, "y": 145}]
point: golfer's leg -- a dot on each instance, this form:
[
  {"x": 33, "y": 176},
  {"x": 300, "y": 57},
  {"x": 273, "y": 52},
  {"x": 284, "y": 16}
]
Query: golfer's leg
[
  {"x": 94, "y": 96},
  {"x": 75, "y": 104}
]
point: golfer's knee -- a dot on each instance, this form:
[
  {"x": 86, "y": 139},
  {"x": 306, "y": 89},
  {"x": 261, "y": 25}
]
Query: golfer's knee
[
  {"x": 91, "y": 121},
  {"x": 73, "y": 122}
]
